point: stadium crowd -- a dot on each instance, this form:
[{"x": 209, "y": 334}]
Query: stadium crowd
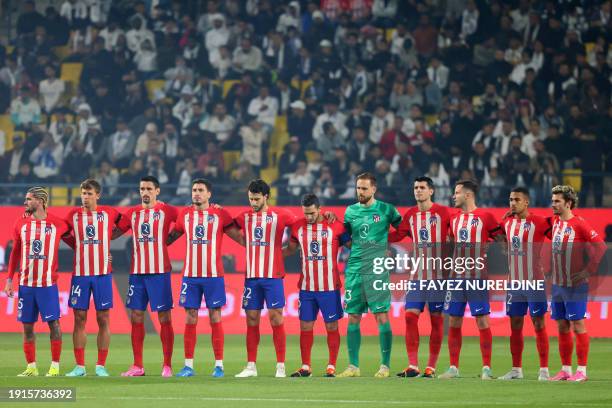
[{"x": 510, "y": 93}]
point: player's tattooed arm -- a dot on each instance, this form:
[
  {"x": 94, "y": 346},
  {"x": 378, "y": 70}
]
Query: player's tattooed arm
[
  {"x": 173, "y": 236},
  {"x": 236, "y": 234},
  {"x": 291, "y": 248}
]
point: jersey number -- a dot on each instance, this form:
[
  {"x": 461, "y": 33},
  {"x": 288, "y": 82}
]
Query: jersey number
[{"x": 76, "y": 290}]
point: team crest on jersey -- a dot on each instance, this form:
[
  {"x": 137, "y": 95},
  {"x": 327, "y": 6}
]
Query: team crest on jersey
[
  {"x": 183, "y": 299},
  {"x": 463, "y": 234},
  {"x": 73, "y": 301},
  {"x": 48, "y": 230},
  {"x": 36, "y": 246},
  {"x": 90, "y": 231},
  {"x": 258, "y": 233},
  {"x": 516, "y": 242},
  {"x": 211, "y": 219},
  {"x": 200, "y": 231},
  {"x": 245, "y": 302},
  {"x": 567, "y": 231},
  {"x": 19, "y": 313},
  {"x": 527, "y": 226},
  {"x": 433, "y": 221},
  {"x": 474, "y": 222},
  {"x": 423, "y": 234},
  {"x": 156, "y": 215},
  {"x": 127, "y": 300},
  {"x": 145, "y": 229},
  {"x": 314, "y": 247},
  {"x": 376, "y": 218},
  {"x": 323, "y": 234},
  {"x": 100, "y": 217},
  {"x": 269, "y": 219}
]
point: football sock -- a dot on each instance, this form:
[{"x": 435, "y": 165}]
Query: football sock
[
  {"x": 385, "y": 337},
  {"x": 566, "y": 347},
  {"x": 79, "y": 356},
  {"x": 102, "y": 353},
  {"x": 217, "y": 339},
  {"x": 517, "y": 344},
  {"x": 280, "y": 342},
  {"x": 252, "y": 342},
  {"x": 56, "y": 350},
  {"x": 454, "y": 345},
  {"x": 542, "y": 346},
  {"x": 167, "y": 338},
  {"x": 138, "y": 335},
  {"x": 333, "y": 345},
  {"x": 189, "y": 340},
  {"x": 486, "y": 343},
  {"x": 435, "y": 339},
  {"x": 412, "y": 338},
  {"x": 29, "y": 349},
  {"x": 353, "y": 339},
  {"x": 582, "y": 348},
  {"x": 306, "y": 340}
]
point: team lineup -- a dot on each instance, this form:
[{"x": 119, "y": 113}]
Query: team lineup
[{"x": 561, "y": 248}]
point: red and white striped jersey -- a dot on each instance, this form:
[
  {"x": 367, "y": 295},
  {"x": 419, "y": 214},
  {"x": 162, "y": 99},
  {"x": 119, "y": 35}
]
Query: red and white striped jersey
[
  {"x": 264, "y": 238},
  {"x": 35, "y": 247},
  {"x": 576, "y": 246},
  {"x": 471, "y": 232},
  {"x": 319, "y": 243},
  {"x": 150, "y": 228},
  {"x": 525, "y": 244},
  {"x": 204, "y": 233},
  {"x": 429, "y": 232},
  {"x": 92, "y": 233}
]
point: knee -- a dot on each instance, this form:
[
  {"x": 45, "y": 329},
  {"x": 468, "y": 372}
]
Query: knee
[
  {"x": 354, "y": 319},
  {"x": 482, "y": 322},
  {"x": 276, "y": 318},
  {"x": 331, "y": 326},
  {"x": 102, "y": 319},
  {"x": 137, "y": 316},
  {"x": 164, "y": 317}
]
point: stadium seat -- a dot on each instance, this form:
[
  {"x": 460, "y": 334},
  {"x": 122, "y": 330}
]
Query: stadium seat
[
  {"x": 62, "y": 52},
  {"x": 75, "y": 196},
  {"x": 431, "y": 119},
  {"x": 310, "y": 155},
  {"x": 59, "y": 195},
  {"x": 389, "y": 34},
  {"x": 588, "y": 47},
  {"x": 573, "y": 177},
  {"x": 301, "y": 85},
  {"x": 227, "y": 85},
  {"x": 231, "y": 158},
  {"x": 273, "y": 194},
  {"x": 71, "y": 73},
  {"x": 6, "y": 125},
  {"x": 281, "y": 123},
  {"x": 153, "y": 85},
  {"x": 270, "y": 175}
]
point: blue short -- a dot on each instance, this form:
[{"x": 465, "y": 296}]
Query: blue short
[
  {"x": 82, "y": 287},
  {"x": 417, "y": 297},
  {"x": 33, "y": 301},
  {"x": 155, "y": 289},
  {"x": 192, "y": 290},
  {"x": 456, "y": 300},
  {"x": 517, "y": 302},
  {"x": 329, "y": 302},
  {"x": 569, "y": 303},
  {"x": 256, "y": 290}
]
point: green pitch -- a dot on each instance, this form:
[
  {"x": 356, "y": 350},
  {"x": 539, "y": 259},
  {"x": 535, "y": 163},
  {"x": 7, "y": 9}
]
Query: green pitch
[{"x": 265, "y": 391}]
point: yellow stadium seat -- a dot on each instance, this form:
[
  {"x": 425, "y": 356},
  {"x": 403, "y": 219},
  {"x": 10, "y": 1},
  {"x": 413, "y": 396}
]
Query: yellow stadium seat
[
  {"x": 6, "y": 125},
  {"x": 273, "y": 195},
  {"x": 153, "y": 85},
  {"x": 588, "y": 47},
  {"x": 75, "y": 196},
  {"x": 301, "y": 85},
  {"x": 231, "y": 159},
  {"x": 573, "y": 177},
  {"x": 69, "y": 118},
  {"x": 281, "y": 123},
  {"x": 62, "y": 52},
  {"x": 310, "y": 154},
  {"x": 431, "y": 119},
  {"x": 389, "y": 34},
  {"x": 270, "y": 174},
  {"x": 227, "y": 85},
  {"x": 59, "y": 195},
  {"x": 71, "y": 74}
]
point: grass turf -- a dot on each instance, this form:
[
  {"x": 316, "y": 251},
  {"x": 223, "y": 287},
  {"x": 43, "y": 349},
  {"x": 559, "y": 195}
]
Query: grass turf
[{"x": 266, "y": 391}]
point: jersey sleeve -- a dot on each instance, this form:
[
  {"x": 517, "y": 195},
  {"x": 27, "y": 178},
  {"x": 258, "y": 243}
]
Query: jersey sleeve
[
  {"x": 15, "y": 257},
  {"x": 347, "y": 221},
  {"x": 494, "y": 229},
  {"x": 293, "y": 233},
  {"x": 239, "y": 220},
  {"x": 124, "y": 223},
  {"x": 395, "y": 218},
  {"x": 402, "y": 231},
  {"x": 595, "y": 247},
  {"x": 172, "y": 213},
  {"x": 179, "y": 224},
  {"x": 69, "y": 219},
  {"x": 289, "y": 218},
  {"x": 114, "y": 215},
  {"x": 226, "y": 219}
]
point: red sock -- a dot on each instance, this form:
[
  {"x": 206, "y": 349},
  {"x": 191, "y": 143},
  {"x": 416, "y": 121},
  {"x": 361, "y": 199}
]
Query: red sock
[
  {"x": 435, "y": 339},
  {"x": 566, "y": 347},
  {"x": 280, "y": 342},
  {"x": 29, "y": 349},
  {"x": 79, "y": 356},
  {"x": 333, "y": 345},
  {"x": 216, "y": 339},
  {"x": 189, "y": 340},
  {"x": 252, "y": 342},
  {"x": 486, "y": 344},
  {"x": 412, "y": 338},
  {"x": 582, "y": 348},
  {"x": 542, "y": 345},
  {"x": 454, "y": 345},
  {"x": 138, "y": 335},
  {"x": 306, "y": 340},
  {"x": 102, "y": 353},
  {"x": 517, "y": 343},
  {"x": 166, "y": 334},
  {"x": 56, "y": 350}
]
